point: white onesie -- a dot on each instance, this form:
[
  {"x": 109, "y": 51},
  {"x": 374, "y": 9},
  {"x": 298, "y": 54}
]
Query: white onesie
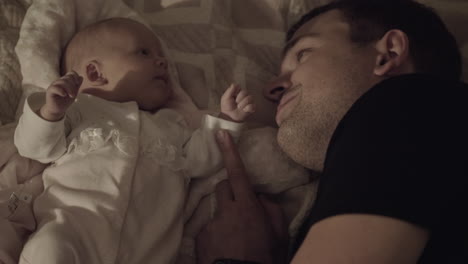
[{"x": 116, "y": 188}]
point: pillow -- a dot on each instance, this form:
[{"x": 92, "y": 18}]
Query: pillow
[{"x": 11, "y": 15}]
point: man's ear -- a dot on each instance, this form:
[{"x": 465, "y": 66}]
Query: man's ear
[
  {"x": 393, "y": 54},
  {"x": 94, "y": 74}
]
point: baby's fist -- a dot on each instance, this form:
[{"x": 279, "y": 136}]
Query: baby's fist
[
  {"x": 237, "y": 103},
  {"x": 60, "y": 95}
]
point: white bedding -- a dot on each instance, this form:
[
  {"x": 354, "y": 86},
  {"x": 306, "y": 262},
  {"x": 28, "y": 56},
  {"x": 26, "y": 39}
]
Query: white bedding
[{"x": 11, "y": 16}]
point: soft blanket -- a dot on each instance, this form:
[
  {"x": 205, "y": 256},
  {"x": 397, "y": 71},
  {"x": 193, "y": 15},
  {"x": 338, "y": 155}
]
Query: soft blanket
[{"x": 20, "y": 176}]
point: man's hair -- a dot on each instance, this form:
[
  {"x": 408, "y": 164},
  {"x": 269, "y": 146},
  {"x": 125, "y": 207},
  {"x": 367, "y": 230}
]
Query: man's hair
[{"x": 433, "y": 48}]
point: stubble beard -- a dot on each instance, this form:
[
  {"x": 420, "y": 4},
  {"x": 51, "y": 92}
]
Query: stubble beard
[
  {"x": 305, "y": 137},
  {"x": 306, "y": 133}
]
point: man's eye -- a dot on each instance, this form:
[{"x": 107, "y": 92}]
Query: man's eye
[{"x": 300, "y": 54}]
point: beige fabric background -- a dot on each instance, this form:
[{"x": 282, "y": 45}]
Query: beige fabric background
[{"x": 11, "y": 15}]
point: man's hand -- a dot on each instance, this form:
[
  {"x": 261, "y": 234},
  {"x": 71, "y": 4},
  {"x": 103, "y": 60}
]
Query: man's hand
[
  {"x": 236, "y": 104},
  {"x": 60, "y": 95},
  {"x": 244, "y": 227}
]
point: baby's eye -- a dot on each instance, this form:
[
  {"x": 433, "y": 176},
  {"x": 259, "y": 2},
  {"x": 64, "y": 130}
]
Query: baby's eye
[
  {"x": 144, "y": 52},
  {"x": 300, "y": 54}
]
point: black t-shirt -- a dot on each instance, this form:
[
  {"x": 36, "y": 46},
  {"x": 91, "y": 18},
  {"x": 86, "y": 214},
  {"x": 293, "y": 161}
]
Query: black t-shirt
[{"x": 401, "y": 151}]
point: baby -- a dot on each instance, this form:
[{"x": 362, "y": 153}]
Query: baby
[{"x": 121, "y": 161}]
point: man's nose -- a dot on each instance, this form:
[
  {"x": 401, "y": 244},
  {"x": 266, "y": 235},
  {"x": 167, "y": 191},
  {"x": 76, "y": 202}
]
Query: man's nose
[{"x": 275, "y": 89}]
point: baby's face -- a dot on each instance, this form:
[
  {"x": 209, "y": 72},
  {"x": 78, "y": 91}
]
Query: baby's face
[{"x": 135, "y": 67}]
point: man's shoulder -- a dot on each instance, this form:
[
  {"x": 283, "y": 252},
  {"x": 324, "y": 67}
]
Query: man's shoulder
[
  {"x": 407, "y": 116},
  {"x": 419, "y": 96},
  {"x": 418, "y": 85},
  {"x": 419, "y": 80}
]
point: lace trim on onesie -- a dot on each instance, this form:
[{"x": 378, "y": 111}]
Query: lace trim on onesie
[
  {"x": 163, "y": 153},
  {"x": 92, "y": 139}
]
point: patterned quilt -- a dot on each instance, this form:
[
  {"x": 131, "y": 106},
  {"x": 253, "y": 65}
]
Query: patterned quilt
[{"x": 11, "y": 15}]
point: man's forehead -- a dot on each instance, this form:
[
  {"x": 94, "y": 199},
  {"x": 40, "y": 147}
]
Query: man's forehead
[
  {"x": 329, "y": 23},
  {"x": 323, "y": 22}
]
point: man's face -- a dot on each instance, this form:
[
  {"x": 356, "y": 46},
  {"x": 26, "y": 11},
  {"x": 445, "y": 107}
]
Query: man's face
[{"x": 323, "y": 73}]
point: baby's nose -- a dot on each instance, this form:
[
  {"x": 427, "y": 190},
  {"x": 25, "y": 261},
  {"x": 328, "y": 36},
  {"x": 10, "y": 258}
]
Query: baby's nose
[
  {"x": 161, "y": 62},
  {"x": 275, "y": 89}
]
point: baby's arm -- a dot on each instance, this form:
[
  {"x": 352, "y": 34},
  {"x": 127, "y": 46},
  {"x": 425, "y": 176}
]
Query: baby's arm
[
  {"x": 202, "y": 153},
  {"x": 40, "y": 134},
  {"x": 236, "y": 104},
  {"x": 59, "y": 96}
]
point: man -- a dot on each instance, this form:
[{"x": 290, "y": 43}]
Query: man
[{"x": 369, "y": 97}]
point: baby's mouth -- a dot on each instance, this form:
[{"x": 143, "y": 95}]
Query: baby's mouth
[{"x": 162, "y": 78}]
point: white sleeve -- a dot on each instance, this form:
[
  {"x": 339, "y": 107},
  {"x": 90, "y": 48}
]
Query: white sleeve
[
  {"x": 37, "y": 138},
  {"x": 202, "y": 154}
]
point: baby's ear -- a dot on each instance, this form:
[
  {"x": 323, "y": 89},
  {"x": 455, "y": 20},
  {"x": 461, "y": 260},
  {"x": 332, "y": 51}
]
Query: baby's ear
[{"x": 94, "y": 73}]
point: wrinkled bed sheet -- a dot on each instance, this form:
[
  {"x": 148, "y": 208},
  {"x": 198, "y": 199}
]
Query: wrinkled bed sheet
[{"x": 11, "y": 16}]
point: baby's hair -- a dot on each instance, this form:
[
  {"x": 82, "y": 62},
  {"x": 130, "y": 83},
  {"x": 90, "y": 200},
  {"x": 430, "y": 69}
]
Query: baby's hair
[{"x": 83, "y": 44}]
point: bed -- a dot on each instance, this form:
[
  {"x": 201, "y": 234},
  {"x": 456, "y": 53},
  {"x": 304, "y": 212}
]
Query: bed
[{"x": 212, "y": 43}]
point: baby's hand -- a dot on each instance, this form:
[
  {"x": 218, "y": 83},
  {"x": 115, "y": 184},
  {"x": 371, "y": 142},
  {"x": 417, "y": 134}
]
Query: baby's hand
[
  {"x": 236, "y": 103},
  {"x": 60, "y": 95}
]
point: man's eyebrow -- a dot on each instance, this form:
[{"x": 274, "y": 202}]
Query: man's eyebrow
[{"x": 291, "y": 43}]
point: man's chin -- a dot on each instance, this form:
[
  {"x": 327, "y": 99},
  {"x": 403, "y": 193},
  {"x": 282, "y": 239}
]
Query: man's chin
[
  {"x": 298, "y": 148},
  {"x": 286, "y": 141}
]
